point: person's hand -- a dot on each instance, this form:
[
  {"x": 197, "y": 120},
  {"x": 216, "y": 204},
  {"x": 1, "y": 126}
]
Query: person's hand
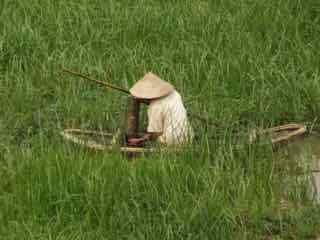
[{"x": 135, "y": 141}]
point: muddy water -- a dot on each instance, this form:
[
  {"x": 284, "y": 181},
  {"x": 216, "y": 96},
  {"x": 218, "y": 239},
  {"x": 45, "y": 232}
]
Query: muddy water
[{"x": 302, "y": 158}]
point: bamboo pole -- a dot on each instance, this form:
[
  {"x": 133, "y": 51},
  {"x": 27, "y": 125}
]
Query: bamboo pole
[
  {"x": 107, "y": 85},
  {"x": 132, "y": 117}
]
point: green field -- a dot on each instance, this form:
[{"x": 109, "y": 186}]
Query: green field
[{"x": 243, "y": 64}]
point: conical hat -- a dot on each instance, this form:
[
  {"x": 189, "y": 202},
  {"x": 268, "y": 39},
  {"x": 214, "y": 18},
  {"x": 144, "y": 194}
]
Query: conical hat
[{"x": 151, "y": 87}]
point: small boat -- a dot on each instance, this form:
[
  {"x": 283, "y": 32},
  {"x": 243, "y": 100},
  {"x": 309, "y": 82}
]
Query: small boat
[{"x": 100, "y": 140}]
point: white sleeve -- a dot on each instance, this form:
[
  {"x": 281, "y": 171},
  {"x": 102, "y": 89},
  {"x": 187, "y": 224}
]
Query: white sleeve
[{"x": 155, "y": 118}]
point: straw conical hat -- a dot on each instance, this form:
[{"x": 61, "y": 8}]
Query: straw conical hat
[{"x": 151, "y": 87}]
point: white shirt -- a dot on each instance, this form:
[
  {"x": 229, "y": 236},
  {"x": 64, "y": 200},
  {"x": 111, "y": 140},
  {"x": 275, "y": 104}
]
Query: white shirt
[{"x": 168, "y": 115}]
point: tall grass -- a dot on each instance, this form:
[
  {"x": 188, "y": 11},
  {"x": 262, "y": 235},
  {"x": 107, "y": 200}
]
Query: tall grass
[{"x": 247, "y": 63}]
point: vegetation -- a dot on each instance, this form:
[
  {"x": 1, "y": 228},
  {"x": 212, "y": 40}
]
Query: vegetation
[{"x": 240, "y": 63}]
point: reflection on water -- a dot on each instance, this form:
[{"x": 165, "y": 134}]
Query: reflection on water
[{"x": 302, "y": 158}]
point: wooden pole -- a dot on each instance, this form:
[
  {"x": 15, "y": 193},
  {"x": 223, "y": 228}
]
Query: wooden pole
[{"x": 132, "y": 117}]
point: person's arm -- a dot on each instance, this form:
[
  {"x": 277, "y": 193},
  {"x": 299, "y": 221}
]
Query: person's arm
[{"x": 149, "y": 136}]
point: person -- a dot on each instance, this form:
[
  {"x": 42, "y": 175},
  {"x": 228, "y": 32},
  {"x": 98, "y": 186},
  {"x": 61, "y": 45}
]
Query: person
[{"x": 167, "y": 117}]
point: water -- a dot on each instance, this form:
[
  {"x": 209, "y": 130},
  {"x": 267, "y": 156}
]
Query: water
[{"x": 302, "y": 158}]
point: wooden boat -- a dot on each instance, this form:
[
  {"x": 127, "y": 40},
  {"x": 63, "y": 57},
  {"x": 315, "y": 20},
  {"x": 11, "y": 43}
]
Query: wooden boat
[{"x": 100, "y": 140}]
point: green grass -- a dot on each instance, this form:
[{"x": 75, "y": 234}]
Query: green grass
[{"x": 249, "y": 63}]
